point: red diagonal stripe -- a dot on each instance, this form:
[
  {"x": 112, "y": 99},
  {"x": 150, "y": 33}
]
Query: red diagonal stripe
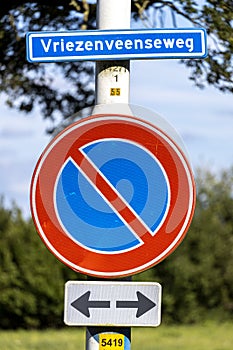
[{"x": 111, "y": 195}]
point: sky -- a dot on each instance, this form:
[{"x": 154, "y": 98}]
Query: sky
[{"x": 203, "y": 119}]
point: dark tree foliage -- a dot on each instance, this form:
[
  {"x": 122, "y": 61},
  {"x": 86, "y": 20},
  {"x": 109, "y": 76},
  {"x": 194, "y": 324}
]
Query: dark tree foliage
[
  {"x": 31, "y": 279},
  {"x": 217, "y": 18},
  {"x": 27, "y": 85},
  {"x": 61, "y": 89},
  {"x": 197, "y": 278}
]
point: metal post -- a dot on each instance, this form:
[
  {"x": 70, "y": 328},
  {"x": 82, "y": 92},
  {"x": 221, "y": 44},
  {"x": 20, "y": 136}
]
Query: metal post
[{"x": 112, "y": 86}]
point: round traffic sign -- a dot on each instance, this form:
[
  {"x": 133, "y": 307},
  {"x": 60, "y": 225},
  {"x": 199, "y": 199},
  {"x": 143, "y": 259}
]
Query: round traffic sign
[{"x": 112, "y": 195}]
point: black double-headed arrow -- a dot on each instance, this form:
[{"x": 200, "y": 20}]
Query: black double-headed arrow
[{"x": 143, "y": 304}]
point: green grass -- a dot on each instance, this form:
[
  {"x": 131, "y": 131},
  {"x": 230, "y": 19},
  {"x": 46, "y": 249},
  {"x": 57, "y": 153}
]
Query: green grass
[
  {"x": 209, "y": 336},
  {"x": 198, "y": 337}
]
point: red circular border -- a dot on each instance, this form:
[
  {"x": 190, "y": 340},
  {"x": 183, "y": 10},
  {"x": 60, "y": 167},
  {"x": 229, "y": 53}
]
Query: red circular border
[{"x": 154, "y": 249}]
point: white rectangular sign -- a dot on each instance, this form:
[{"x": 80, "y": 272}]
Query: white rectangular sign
[{"x": 112, "y": 303}]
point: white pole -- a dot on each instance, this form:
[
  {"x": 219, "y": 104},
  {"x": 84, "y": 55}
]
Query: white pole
[
  {"x": 112, "y": 86},
  {"x": 112, "y": 77}
]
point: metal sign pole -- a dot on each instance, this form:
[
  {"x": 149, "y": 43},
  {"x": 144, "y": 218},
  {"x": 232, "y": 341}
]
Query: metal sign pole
[{"x": 111, "y": 86}]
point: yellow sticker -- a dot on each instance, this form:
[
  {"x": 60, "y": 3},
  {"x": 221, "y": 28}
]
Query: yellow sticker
[
  {"x": 111, "y": 341},
  {"x": 115, "y": 92}
]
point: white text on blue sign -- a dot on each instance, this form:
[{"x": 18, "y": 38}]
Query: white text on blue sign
[{"x": 121, "y": 44}]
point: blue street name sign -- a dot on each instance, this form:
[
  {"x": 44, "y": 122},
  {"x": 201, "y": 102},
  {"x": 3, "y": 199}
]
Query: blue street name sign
[{"x": 116, "y": 44}]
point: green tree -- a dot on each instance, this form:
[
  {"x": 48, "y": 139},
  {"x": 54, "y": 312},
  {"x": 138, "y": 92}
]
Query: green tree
[
  {"x": 28, "y": 85},
  {"x": 31, "y": 279},
  {"x": 197, "y": 278}
]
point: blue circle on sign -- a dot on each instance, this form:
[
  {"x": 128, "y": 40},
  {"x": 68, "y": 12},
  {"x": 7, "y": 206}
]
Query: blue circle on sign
[{"x": 138, "y": 178}]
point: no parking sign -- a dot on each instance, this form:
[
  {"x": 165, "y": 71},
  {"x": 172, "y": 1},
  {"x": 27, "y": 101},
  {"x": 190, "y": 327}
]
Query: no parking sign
[{"x": 112, "y": 195}]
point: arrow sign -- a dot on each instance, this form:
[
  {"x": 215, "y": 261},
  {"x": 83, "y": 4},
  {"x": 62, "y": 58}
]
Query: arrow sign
[
  {"x": 112, "y": 303},
  {"x": 83, "y": 304},
  {"x": 143, "y": 304}
]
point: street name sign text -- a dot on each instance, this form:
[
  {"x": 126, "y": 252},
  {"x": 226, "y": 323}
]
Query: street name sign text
[{"x": 116, "y": 44}]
